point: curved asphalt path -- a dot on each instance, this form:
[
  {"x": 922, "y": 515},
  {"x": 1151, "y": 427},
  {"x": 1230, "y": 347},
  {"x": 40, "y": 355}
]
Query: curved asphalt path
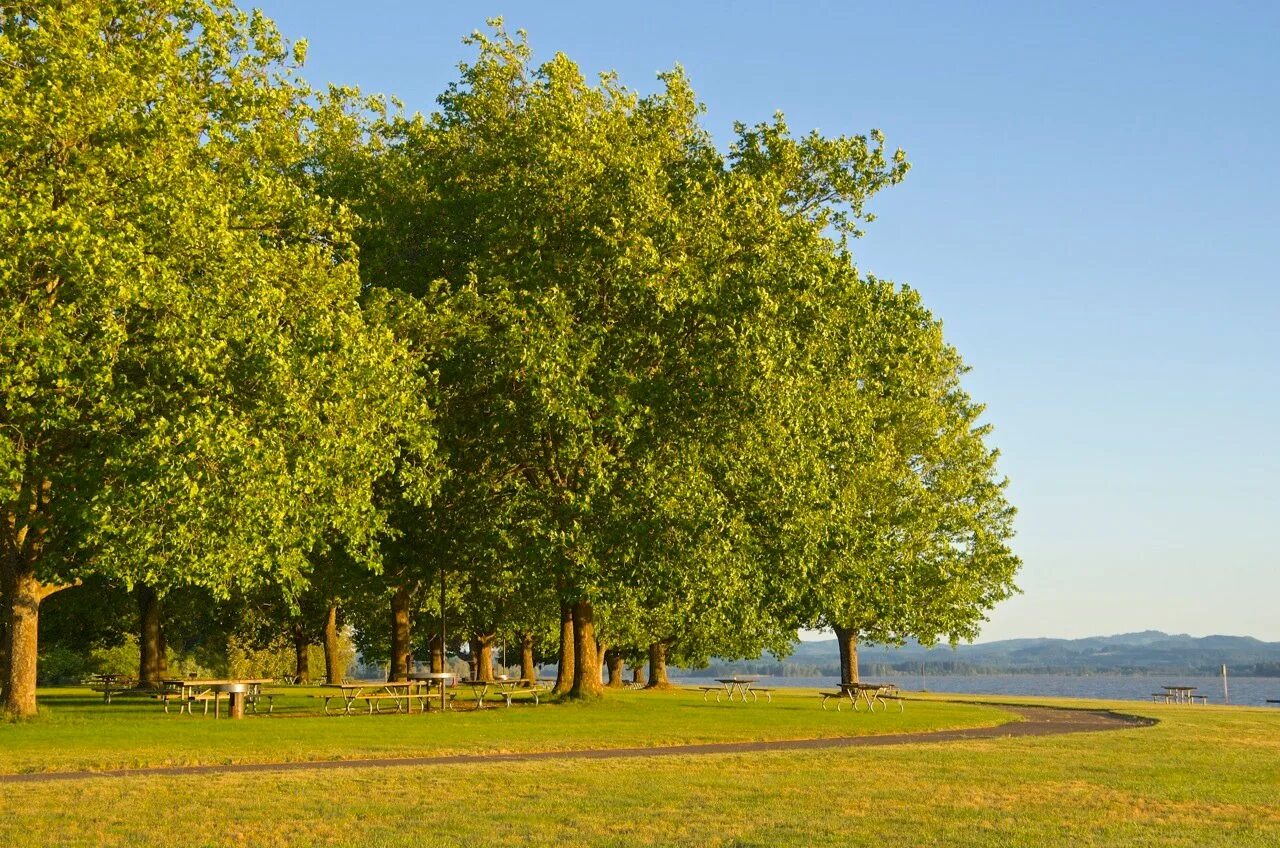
[{"x": 1037, "y": 721}]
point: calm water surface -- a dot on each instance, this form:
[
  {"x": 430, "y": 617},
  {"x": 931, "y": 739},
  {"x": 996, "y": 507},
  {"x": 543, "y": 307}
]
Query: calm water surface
[{"x": 1248, "y": 691}]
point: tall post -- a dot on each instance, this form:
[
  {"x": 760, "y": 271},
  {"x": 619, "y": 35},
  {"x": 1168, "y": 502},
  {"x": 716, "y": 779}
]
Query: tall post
[
  {"x": 444, "y": 644},
  {"x": 1226, "y": 696}
]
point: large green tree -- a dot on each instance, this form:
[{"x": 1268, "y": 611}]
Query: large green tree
[
  {"x": 191, "y": 391},
  {"x": 612, "y": 278}
]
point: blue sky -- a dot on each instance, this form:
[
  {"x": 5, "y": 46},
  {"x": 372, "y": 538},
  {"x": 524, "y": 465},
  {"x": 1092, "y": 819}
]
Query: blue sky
[{"x": 1093, "y": 211}]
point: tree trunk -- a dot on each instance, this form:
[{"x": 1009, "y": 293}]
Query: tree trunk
[
  {"x": 148, "y": 636},
  {"x": 437, "y": 655},
  {"x": 637, "y": 673},
  {"x": 528, "y": 671},
  {"x": 22, "y": 596},
  {"x": 482, "y": 653},
  {"x": 400, "y": 635},
  {"x": 601, "y": 650},
  {"x": 301, "y": 662},
  {"x": 586, "y": 667},
  {"x": 4, "y": 643},
  {"x": 847, "y": 639},
  {"x": 564, "y": 661},
  {"x": 613, "y": 662},
  {"x": 658, "y": 666},
  {"x": 162, "y": 653},
  {"x": 332, "y": 673}
]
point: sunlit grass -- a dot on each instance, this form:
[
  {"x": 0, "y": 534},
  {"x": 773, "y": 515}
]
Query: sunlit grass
[
  {"x": 77, "y": 731},
  {"x": 1201, "y": 777}
]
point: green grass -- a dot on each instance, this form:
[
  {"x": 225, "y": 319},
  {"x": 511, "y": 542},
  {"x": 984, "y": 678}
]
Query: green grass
[
  {"x": 77, "y": 731},
  {"x": 1204, "y": 776}
]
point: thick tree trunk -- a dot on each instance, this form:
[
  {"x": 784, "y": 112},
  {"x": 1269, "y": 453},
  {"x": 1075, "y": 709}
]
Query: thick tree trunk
[
  {"x": 586, "y": 667},
  {"x": 301, "y": 660},
  {"x": 847, "y": 639},
  {"x": 4, "y": 643},
  {"x": 148, "y": 636},
  {"x": 564, "y": 660},
  {"x": 658, "y": 666},
  {"x": 482, "y": 654},
  {"x": 437, "y": 655},
  {"x": 637, "y": 673},
  {"x": 332, "y": 673},
  {"x": 162, "y": 653},
  {"x": 400, "y": 635},
  {"x": 613, "y": 662},
  {"x": 22, "y": 595},
  {"x": 528, "y": 671}
]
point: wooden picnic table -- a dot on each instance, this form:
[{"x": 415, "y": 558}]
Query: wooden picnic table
[
  {"x": 738, "y": 685},
  {"x": 870, "y": 694},
  {"x": 188, "y": 690},
  {"x": 436, "y": 680},
  {"x": 1180, "y": 695},
  {"x": 373, "y": 692}
]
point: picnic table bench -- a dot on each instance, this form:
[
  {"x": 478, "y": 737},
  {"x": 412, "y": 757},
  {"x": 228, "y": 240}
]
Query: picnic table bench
[
  {"x": 869, "y": 693},
  {"x": 373, "y": 693},
  {"x": 191, "y": 691}
]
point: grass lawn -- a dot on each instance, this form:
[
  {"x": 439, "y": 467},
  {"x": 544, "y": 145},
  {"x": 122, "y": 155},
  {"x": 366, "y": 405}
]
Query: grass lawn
[
  {"x": 75, "y": 730},
  {"x": 1204, "y": 776}
]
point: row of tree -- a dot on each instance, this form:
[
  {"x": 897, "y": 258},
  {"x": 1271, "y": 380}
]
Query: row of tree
[{"x": 546, "y": 362}]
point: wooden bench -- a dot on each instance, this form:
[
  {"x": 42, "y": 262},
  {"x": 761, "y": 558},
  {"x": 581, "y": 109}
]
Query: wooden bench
[
  {"x": 838, "y": 696},
  {"x": 509, "y": 694},
  {"x": 707, "y": 690},
  {"x": 768, "y": 694},
  {"x": 890, "y": 693}
]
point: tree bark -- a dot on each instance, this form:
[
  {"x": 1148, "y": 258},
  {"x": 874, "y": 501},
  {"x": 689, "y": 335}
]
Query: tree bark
[
  {"x": 847, "y": 639},
  {"x": 564, "y": 661},
  {"x": 301, "y": 660},
  {"x": 613, "y": 662},
  {"x": 332, "y": 673},
  {"x": 437, "y": 655},
  {"x": 148, "y": 636},
  {"x": 658, "y": 666},
  {"x": 162, "y": 652},
  {"x": 400, "y": 635},
  {"x": 586, "y": 667},
  {"x": 637, "y": 673},
  {"x": 482, "y": 653},
  {"x": 22, "y": 595},
  {"x": 528, "y": 671}
]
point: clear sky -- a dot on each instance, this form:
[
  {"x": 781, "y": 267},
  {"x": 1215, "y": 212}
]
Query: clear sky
[{"x": 1094, "y": 212}]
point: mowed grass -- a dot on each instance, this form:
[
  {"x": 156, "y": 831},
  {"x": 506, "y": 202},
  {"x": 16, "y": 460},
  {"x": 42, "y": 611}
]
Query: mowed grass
[
  {"x": 76, "y": 731},
  {"x": 1201, "y": 777}
]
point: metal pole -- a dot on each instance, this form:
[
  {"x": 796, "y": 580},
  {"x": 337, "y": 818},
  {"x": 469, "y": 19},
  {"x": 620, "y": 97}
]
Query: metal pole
[
  {"x": 1226, "y": 696},
  {"x": 443, "y": 640}
]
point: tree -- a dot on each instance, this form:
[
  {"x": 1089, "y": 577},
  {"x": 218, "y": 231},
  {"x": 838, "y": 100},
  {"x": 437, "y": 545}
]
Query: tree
[
  {"x": 611, "y": 282},
  {"x": 197, "y": 397},
  {"x": 900, "y": 526}
]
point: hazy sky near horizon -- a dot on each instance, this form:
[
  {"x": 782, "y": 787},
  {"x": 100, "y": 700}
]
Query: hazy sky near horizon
[{"x": 1093, "y": 211}]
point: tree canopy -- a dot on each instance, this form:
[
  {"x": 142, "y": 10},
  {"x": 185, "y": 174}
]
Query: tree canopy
[{"x": 549, "y": 340}]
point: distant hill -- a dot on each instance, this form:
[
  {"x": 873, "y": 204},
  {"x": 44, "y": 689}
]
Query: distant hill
[{"x": 1148, "y": 651}]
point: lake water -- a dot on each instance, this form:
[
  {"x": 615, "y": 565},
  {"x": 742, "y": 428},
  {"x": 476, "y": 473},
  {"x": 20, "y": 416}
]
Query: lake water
[{"x": 1247, "y": 691}]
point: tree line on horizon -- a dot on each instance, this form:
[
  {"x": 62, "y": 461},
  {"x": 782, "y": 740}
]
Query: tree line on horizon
[{"x": 546, "y": 362}]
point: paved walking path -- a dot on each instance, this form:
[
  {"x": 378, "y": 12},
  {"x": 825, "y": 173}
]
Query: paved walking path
[{"x": 1038, "y": 721}]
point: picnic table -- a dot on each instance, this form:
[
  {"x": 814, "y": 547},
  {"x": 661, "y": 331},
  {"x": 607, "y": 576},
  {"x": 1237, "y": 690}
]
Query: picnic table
[
  {"x": 189, "y": 690},
  {"x": 111, "y": 684},
  {"x": 1180, "y": 695},
  {"x": 435, "y": 680},
  {"x": 373, "y": 693},
  {"x": 739, "y": 686},
  {"x": 870, "y": 694}
]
